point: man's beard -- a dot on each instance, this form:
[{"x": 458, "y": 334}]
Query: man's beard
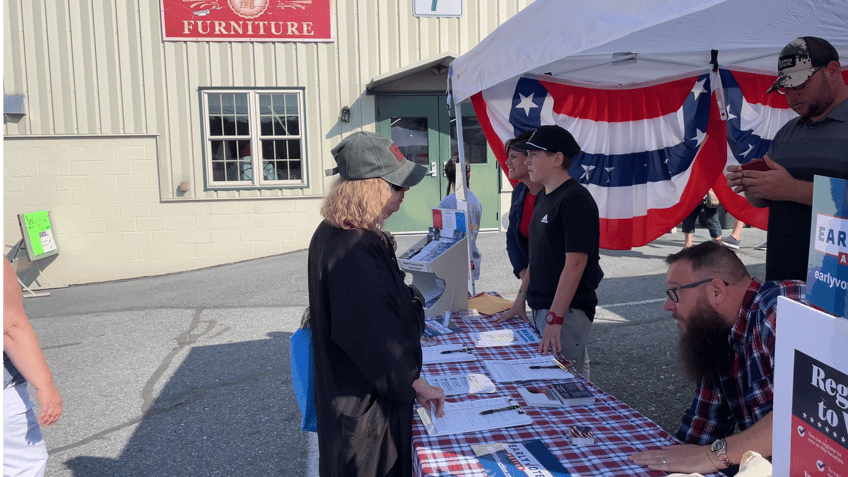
[{"x": 704, "y": 347}]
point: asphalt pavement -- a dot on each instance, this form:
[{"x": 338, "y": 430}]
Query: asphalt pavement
[{"x": 188, "y": 374}]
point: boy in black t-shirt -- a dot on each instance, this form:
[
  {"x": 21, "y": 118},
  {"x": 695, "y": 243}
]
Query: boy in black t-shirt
[{"x": 564, "y": 268}]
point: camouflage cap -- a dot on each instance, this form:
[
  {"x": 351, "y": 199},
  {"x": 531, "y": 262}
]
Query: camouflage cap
[{"x": 799, "y": 60}]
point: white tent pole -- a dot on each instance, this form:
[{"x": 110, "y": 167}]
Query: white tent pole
[{"x": 462, "y": 186}]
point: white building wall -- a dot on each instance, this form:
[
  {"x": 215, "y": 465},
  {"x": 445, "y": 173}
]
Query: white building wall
[{"x": 113, "y": 125}]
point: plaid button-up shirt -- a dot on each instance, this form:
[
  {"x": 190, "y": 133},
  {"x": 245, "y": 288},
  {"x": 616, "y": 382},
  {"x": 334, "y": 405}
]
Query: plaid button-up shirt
[{"x": 744, "y": 391}]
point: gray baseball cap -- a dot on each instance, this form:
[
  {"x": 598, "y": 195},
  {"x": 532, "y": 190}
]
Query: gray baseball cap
[
  {"x": 799, "y": 60},
  {"x": 366, "y": 155}
]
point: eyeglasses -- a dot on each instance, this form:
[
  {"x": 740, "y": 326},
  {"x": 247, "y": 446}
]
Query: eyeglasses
[
  {"x": 672, "y": 292},
  {"x": 801, "y": 86}
]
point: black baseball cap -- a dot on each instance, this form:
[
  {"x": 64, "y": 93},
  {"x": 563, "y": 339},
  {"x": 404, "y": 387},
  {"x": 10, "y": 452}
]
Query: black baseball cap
[{"x": 551, "y": 139}]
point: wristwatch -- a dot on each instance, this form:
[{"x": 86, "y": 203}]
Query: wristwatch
[
  {"x": 552, "y": 319},
  {"x": 719, "y": 447}
]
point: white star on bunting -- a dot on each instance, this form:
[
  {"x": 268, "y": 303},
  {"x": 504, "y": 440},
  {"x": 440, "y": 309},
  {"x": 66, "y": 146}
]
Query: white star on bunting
[
  {"x": 526, "y": 103},
  {"x": 699, "y": 88},
  {"x": 699, "y": 136}
]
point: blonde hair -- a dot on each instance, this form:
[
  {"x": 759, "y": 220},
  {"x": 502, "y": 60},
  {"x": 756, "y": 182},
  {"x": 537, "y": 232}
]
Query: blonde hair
[{"x": 356, "y": 204}]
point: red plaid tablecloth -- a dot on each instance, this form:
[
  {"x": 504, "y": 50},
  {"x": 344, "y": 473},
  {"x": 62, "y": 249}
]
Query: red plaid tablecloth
[{"x": 619, "y": 430}]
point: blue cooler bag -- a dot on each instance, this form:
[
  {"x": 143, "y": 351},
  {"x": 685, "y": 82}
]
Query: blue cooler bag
[{"x": 303, "y": 374}]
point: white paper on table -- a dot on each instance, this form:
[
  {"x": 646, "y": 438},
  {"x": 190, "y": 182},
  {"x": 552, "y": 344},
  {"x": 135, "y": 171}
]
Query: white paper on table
[
  {"x": 506, "y": 337},
  {"x": 471, "y": 383},
  {"x": 513, "y": 370},
  {"x": 465, "y": 416},
  {"x": 439, "y": 354}
]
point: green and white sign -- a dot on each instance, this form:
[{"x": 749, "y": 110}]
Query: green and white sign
[{"x": 38, "y": 234}]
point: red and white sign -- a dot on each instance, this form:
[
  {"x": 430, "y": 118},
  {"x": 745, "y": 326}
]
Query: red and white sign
[{"x": 247, "y": 20}]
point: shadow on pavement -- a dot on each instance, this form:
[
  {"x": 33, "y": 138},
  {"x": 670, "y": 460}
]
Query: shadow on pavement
[{"x": 223, "y": 412}]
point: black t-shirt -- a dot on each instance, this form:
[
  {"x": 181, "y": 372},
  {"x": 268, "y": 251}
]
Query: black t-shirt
[{"x": 564, "y": 221}]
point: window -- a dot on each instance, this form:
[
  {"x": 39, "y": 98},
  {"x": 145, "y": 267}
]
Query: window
[{"x": 250, "y": 131}]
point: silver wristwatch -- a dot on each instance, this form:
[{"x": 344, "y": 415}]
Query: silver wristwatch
[{"x": 719, "y": 447}]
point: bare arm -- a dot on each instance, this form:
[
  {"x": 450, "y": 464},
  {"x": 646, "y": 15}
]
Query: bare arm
[
  {"x": 575, "y": 263},
  {"x": 519, "y": 306},
  {"x": 21, "y": 346},
  {"x": 695, "y": 458}
]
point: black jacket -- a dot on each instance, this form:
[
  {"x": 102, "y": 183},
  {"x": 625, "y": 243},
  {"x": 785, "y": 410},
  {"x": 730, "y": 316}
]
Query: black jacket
[{"x": 366, "y": 335}]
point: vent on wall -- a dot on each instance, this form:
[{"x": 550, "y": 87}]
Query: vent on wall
[{"x": 14, "y": 104}]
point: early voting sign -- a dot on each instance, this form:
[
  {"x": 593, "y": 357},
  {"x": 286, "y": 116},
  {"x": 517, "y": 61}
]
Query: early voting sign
[
  {"x": 38, "y": 234},
  {"x": 827, "y": 268}
]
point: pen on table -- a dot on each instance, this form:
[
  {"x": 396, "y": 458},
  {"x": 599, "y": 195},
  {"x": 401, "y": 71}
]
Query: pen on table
[
  {"x": 544, "y": 367},
  {"x": 466, "y": 350},
  {"x": 500, "y": 409}
]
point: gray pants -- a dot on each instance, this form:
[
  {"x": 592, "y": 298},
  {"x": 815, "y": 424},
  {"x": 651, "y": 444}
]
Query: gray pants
[{"x": 574, "y": 337}]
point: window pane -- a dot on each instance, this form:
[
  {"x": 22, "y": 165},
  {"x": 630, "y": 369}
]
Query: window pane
[
  {"x": 216, "y": 127},
  {"x": 264, "y": 104},
  {"x": 269, "y": 172},
  {"x": 265, "y": 126},
  {"x": 279, "y": 126},
  {"x": 267, "y": 149},
  {"x": 219, "y": 151},
  {"x": 244, "y": 149},
  {"x": 279, "y": 104},
  {"x": 218, "y": 171},
  {"x": 291, "y": 104},
  {"x": 411, "y": 136},
  {"x": 227, "y": 106},
  {"x": 280, "y": 146},
  {"x": 242, "y": 126},
  {"x": 476, "y": 148},
  {"x": 241, "y": 103},
  {"x": 295, "y": 170},
  {"x": 293, "y": 126},
  {"x": 214, "y": 101},
  {"x": 293, "y": 149},
  {"x": 229, "y": 125}
]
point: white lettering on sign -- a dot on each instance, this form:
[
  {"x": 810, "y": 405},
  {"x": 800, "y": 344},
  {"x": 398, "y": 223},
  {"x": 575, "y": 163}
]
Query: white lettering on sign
[{"x": 831, "y": 235}]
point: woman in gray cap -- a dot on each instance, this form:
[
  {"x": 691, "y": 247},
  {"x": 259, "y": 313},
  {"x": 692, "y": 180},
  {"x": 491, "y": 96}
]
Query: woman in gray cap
[{"x": 366, "y": 322}]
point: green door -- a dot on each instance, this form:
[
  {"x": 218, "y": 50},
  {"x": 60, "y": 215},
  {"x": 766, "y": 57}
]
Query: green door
[{"x": 425, "y": 131}]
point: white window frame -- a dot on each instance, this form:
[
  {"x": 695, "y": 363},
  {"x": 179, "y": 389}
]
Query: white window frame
[{"x": 255, "y": 139}]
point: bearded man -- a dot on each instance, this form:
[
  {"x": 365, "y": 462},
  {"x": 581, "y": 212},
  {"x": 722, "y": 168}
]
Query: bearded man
[{"x": 727, "y": 330}]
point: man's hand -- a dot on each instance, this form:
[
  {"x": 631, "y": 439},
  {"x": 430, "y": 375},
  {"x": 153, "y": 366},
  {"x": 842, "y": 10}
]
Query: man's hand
[
  {"x": 686, "y": 458},
  {"x": 517, "y": 309},
  {"x": 50, "y": 403},
  {"x": 551, "y": 339},
  {"x": 734, "y": 178},
  {"x": 774, "y": 184}
]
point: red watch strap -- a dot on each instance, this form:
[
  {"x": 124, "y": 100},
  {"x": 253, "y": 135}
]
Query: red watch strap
[{"x": 553, "y": 319}]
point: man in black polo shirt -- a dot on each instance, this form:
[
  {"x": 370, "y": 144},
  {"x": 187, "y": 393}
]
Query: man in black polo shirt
[{"x": 564, "y": 271}]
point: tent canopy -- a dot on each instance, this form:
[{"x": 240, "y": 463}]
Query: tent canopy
[{"x": 610, "y": 42}]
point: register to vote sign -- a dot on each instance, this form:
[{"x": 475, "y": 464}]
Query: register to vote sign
[{"x": 827, "y": 270}]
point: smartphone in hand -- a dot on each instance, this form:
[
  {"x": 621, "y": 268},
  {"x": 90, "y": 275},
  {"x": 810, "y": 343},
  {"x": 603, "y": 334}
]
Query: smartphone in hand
[{"x": 755, "y": 165}]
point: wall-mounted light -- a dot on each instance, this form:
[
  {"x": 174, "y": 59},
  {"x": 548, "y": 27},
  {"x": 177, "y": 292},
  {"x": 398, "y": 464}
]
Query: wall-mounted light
[
  {"x": 14, "y": 104},
  {"x": 344, "y": 115}
]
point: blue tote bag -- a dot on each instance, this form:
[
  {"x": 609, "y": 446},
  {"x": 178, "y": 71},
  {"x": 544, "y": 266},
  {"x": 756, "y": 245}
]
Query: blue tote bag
[{"x": 303, "y": 374}]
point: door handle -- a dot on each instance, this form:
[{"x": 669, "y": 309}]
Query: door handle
[{"x": 433, "y": 172}]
